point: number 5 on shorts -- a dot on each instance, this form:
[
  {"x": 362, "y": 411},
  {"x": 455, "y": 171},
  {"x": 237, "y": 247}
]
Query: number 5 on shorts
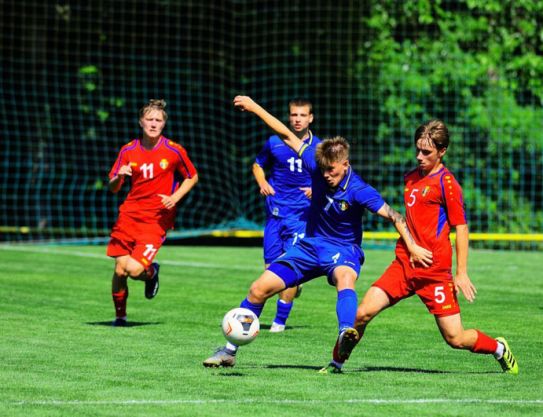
[{"x": 439, "y": 294}]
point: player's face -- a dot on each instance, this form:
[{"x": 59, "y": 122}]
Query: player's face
[
  {"x": 300, "y": 118},
  {"x": 152, "y": 123},
  {"x": 335, "y": 172},
  {"x": 428, "y": 156}
]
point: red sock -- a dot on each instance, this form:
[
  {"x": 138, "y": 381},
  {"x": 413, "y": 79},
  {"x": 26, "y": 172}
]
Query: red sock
[
  {"x": 150, "y": 271},
  {"x": 484, "y": 344},
  {"x": 119, "y": 300}
]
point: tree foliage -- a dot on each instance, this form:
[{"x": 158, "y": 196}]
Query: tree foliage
[{"x": 477, "y": 65}]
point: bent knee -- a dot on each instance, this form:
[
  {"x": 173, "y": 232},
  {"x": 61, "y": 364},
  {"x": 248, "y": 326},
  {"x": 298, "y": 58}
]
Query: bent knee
[
  {"x": 120, "y": 271},
  {"x": 134, "y": 270},
  {"x": 259, "y": 293}
]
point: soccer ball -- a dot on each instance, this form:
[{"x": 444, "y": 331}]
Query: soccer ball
[{"x": 240, "y": 326}]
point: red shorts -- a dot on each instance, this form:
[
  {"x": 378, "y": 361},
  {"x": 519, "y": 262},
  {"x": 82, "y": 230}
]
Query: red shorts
[
  {"x": 138, "y": 239},
  {"x": 436, "y": 292}
]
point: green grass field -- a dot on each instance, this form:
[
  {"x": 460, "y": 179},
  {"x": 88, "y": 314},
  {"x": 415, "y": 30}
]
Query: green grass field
[{"x": 60, "y": 356}]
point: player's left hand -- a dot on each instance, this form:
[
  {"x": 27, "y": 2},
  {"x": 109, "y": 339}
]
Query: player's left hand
[
  {"x": 462, "y": 282},
  {"x": 167, "y": 201},
  {"x": 307, "y": 191}
]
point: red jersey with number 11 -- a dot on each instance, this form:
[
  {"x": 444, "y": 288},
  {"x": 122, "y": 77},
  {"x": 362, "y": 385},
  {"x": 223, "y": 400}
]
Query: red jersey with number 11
[
  {"x": 153, "y": 172},
  {"x": 433, "y": 203}
]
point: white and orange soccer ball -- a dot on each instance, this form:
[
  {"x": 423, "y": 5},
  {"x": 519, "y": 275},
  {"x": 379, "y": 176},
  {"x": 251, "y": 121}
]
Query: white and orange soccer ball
[{"x": 240, "y": 326}]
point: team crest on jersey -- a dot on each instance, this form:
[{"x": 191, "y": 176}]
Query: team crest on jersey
[
  {"x": 164, "y": 163},
  {"x": 133, "y": 164},
  {"x": 425, "y": 191},
  {"x": 343, "y": 205}
]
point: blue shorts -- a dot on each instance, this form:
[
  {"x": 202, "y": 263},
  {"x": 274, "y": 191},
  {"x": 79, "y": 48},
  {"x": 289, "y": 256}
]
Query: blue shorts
[
  {"x": 280, "y": 234},
  {"x": 313, "y": 257}
]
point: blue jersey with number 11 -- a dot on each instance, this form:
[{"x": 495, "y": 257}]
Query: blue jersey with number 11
[{"x": 287, "y": 174}]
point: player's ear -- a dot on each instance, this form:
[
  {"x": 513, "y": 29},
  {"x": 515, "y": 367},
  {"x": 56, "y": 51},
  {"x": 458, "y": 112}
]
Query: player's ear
[
  {"x": 442, "y": 152},
  {"x": 311, "y": 118}
]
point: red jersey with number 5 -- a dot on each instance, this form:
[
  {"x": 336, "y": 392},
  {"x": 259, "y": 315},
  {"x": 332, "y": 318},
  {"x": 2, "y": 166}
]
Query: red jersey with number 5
[
  {"x": 433, "y": 204},
  {"x": 154, "y": 172}
]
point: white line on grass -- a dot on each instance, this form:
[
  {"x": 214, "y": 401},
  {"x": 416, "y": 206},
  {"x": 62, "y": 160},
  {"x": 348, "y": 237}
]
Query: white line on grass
[
  {"x": 284, "y": 401},
  {"x": 50, "y": 251}
]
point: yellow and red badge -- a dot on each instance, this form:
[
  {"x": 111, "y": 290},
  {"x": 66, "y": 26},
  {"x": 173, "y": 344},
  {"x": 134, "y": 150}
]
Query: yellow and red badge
[{"x": 164, "y": 163}]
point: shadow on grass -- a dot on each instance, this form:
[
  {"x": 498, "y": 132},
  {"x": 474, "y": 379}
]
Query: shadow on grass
[
  {"x": 398, "y": 369},
  {"x": 268, "y": 326},
  {"x": 315, "y": 368},
  {"x": 381, "y": 369},
  {"x": 231, "y": 374},
  {"x": 415, "y": 370},
  {"x": 128, "y": 324}
]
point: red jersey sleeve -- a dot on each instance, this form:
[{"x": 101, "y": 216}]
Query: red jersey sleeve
[
  {"x": 454, "y": 201},
  {"x": 185, "y": 166},
  {"x": 122, "y": 159}
]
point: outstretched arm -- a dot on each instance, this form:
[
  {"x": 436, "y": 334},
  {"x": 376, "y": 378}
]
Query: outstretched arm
[
  {"x": 246, "y": 103},
  {"x": 418, "y": 253}
]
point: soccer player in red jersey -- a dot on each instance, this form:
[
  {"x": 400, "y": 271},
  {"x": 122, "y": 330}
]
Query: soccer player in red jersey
[
  {"x": 433, "y": 204},
  {"x": 153, "y": 164}
]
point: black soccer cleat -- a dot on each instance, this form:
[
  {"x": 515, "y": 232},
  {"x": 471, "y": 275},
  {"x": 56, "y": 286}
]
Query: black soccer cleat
[
  {"x": 347, "y": 341},
  {"x": 151, "y": 285},
  {"x": 119, "y": 322}
]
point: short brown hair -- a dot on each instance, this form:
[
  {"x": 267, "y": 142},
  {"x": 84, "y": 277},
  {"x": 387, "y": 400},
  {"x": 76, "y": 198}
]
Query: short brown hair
[
  {"x": 154, "y": 104},
  {"x": 332, "y": 150},
  {"x": 300, "y": 102},
  {"x": 434, "y": 131}
]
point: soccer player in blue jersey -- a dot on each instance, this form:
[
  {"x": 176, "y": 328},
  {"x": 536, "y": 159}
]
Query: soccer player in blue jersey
[
  {"x": 331, "y": 246},
  {"x": 288, "y": 191}
]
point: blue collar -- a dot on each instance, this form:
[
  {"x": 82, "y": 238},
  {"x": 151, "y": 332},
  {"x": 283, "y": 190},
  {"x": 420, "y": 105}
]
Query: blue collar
[
  {"x": 309, "y": 139},
  {"x": 345, "y": 181}
]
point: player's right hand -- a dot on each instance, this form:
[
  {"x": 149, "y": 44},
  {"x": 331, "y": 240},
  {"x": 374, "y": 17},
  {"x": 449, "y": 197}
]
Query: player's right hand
[
  {"x": 307, "y": 191},
  {"x": 125, "y": 170},
  {"x": 267, "y": 190},
  {"x": 244, "y": 103}
]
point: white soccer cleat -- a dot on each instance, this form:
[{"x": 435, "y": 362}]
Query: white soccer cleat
[
  {"x": 223, "y": 357},
  {"x": 277, "y": 328}
]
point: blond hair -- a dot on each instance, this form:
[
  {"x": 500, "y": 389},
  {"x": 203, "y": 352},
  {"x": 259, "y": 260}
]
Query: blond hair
[
  {"x": 332, "y": 150},
  {"x": 154, "y": 104}
]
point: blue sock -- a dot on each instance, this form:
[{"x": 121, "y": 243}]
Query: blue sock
[
  {"x": 255, "y": 308},
  {"x": 283, "y": 311},
  {"x": 346, "y": 306}
]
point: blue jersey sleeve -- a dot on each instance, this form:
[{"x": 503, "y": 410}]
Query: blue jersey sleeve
[
  {"x": 307, "y": 153},
  {"x": 369, "y": 197},
  {"x": 264, "y": 156}
]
